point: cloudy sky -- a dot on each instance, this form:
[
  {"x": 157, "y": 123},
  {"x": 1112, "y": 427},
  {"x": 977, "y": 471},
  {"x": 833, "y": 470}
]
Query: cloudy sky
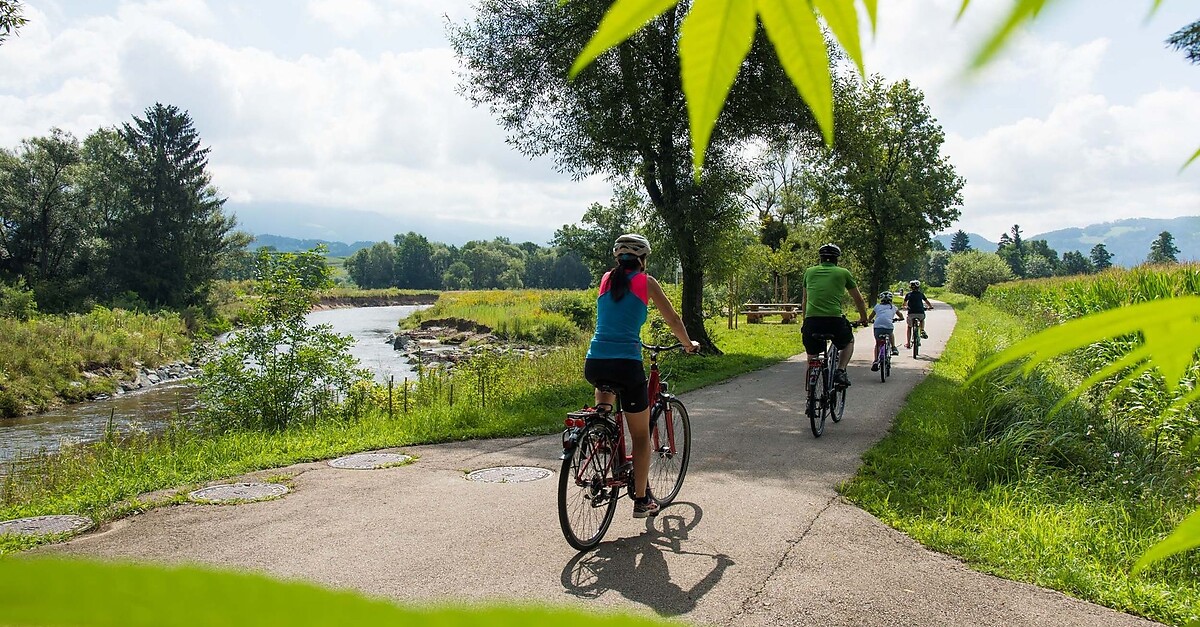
[{"x": 318, "y": 111}]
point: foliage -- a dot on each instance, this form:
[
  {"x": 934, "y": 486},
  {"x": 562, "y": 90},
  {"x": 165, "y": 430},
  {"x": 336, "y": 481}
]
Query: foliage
[
  {"x": 961, "y": 242},
  {"x": 11, "y": 18},
  {"x": 1066, "y": 500},
  {"x": 277, "y": 369},
  {"x": 1101, "y": 258},
  {"x": 592, "y": 239},
  {"x": 972, "y": 272},
  {"x": 1163, "y": 249},
  {"x": 43, "y": 359},
  {"x": 537, "y": 316},
  {"x": 1187, "y": 40},
  {"x": 885, "y": 186},
  {"x": 1073, "y": 262},
  {"x": 939, "y": 264},
  {"x": 32, "y": 593},
  {"x": 17, "y": 301}
]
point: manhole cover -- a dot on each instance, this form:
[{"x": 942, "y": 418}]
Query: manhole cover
[
  {"x": 509, "y": 474},
  {"x": 369, "y": 461},
  {"x": 238, "y": 492},
  {"x": 43, "y": 525}
]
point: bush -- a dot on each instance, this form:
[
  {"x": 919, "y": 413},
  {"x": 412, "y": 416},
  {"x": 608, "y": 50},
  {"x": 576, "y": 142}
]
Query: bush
[
  {"x": 972, "y": 272},
  {"x": 17, "y": 301},
  {"x": 579, "y": 308}
]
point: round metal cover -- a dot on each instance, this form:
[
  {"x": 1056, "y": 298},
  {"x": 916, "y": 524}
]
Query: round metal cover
[
  {"x": 43, "y": 525},
  {"x": 369, "y": 461},
  {"x": 509, "y": 474},
  {"x": 238, "y": 492}
]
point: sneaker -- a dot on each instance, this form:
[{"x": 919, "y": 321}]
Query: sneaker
[
  {"x": 645, "y": 507},
  {"x": 924, "y": 335},
  {"x": 895, "y": 351},
  {"x": 840, "y": 379},
  {"x": 874, "y": 366}
]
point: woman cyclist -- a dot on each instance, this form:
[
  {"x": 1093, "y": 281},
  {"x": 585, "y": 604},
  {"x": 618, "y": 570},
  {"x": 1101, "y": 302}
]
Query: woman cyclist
[{"x": 614, "y": 357}]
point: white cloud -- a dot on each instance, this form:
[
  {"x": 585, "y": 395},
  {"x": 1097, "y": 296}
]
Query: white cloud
[{"x": 346, "y": 18}]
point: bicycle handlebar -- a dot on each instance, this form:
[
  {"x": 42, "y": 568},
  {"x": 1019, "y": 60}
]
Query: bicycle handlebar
[{"x": 660, "y": 349}]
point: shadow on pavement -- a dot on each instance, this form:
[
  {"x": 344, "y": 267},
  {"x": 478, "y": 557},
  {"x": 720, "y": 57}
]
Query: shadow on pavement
[{"x": 638, "y": 568}]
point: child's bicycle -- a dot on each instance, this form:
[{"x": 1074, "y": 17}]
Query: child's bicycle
[
  {"x": 597, "y": 468},
  {"x": 917, "y": 330},
  {"x": 883, "y": 355}
]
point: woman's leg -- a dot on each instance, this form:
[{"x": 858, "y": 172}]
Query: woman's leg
[{"x": 639, "y": 430}]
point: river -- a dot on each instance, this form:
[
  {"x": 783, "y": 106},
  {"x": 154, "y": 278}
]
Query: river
[{"x": 153, "y": 408}]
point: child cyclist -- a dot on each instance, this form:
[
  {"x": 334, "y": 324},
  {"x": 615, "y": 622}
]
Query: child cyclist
[{"x": 885, "y": 314}]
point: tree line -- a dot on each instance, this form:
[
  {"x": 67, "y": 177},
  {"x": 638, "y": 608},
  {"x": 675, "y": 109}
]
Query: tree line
[
  {"x": 411, "y": 261},
  {"x": 127, "y": 216}
]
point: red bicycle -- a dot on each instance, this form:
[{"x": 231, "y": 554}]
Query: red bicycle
[{"x": 597, "y": 467}]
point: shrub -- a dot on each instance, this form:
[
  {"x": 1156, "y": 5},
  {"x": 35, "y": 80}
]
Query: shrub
[
  {"x": 578, "y": 307},
  {"x": 17, "y": 301},
  {"x": 972, "y": 272}
]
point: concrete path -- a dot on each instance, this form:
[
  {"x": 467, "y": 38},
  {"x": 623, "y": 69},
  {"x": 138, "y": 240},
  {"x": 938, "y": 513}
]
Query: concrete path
[{"x": 758, "y": 535}]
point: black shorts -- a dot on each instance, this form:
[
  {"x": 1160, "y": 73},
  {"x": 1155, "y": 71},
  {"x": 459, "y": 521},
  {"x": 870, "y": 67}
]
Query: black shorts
[
  {"x": 626, "y": 376},
  {"x": 838, "y": 327}
]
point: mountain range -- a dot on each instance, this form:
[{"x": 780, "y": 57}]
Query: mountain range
[{"x": 1128, "y": 240}]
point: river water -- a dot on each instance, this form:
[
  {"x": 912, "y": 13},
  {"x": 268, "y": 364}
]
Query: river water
[{"x": 153, "y": 408}]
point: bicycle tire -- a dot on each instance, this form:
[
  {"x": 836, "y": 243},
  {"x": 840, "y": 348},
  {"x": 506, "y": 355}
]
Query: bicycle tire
[
  {"x": 583, "y": 518},
  {"x": 882, "y": 363},
  {"x": 667, "y": 470},
  {"x": 817, "y": 419},
  {"x": 916, "y": 345},
  {"x": 889, "y": 363},
  {"x": 838, "y": 406}
]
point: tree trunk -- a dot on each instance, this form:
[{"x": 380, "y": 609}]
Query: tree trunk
[{"x": 693, "y": 296}]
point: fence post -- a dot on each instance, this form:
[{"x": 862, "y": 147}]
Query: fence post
[
  {"x": 391, "y": 383},
  {"x": 452, "y": 392},
  {"x": 406, "y": 395}
]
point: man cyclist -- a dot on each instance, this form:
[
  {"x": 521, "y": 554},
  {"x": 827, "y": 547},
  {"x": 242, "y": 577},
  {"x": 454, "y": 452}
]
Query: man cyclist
[
  {"x": 824, "y": 285},
  {"x": 916, "y": 304}
]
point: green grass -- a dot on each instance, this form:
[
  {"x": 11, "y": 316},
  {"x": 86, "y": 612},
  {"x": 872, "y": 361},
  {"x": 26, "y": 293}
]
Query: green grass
[
  {"x": 1068, "y": 501},
  {"x": 42, "y": 360},
  {"x": 523, "y": 396}
]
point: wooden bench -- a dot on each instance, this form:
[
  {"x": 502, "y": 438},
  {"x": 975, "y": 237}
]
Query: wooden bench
[{"x": 755, "y": 312}]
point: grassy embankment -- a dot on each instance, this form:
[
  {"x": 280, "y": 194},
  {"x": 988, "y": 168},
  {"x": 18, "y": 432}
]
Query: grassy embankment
[
  {"x": 1067, "y": 500},
  {"x": 43, "y": 360},
  {"x": 504, "y": 395}
]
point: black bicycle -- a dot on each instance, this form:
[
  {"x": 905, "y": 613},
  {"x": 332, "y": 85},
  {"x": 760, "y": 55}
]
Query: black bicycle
[{"x": 825, "y": 398}]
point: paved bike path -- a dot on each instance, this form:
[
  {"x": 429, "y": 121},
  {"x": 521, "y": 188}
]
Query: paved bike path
[{"x": 757, "y": 537}]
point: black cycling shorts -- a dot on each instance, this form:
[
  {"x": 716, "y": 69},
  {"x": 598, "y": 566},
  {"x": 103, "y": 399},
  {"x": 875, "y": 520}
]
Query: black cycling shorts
[
  {"x": 838, "y": 327},
  {"x": 626, "y": 376}
]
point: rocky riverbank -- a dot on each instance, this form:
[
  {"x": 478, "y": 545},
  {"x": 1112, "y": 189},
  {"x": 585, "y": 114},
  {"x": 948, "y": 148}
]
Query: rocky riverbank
[{"x": 446, "y": 342}]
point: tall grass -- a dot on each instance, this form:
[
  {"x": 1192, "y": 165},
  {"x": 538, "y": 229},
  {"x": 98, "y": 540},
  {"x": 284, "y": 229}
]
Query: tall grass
[
  {"x": 1067, "y": 501},
  {"x": 536, "y": 316},
  {"x": 43, "y": 359}
]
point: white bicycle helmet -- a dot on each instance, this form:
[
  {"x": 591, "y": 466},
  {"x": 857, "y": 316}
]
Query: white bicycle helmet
[
  {"x": 830, "y": 250},
  {"x": 886, "y": 297},
  {"x": 915, "y": 284},
  {"x": 632, "y": 243}
]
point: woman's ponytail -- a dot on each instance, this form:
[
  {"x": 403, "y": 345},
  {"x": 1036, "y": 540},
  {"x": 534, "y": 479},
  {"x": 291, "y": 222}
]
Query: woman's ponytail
[{"x": 618, "y": 279}]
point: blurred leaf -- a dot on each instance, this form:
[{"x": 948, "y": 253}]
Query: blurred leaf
[
  {"x": 1170, "y": 330},
  {"x": 1189, "y": 161},
  {"x": 793, "y": 28},
  {"x": 1024, "y": 11},
  {"x": 842, "y": 19},
  {"x": 624, "y": 18},
  {"x": 872, "y": 13},
  {"x": 715, "y": 38},
  {"x": 1186, "y": 536}
]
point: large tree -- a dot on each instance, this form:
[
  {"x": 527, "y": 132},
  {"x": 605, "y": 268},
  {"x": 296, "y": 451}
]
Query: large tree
[
  {"x": 45, "y": 217},
  {"x": 624, "y": 116},
  {"x": 1163, "y": 249},
  {"x": 1101, "y": 258},
  {"x": 1073, "y": 262},
  {"x": 168, "y": 236},
  {"x": 961, "y": 242},
  {"x": 886, "y": 185},
  {"x": 1187, "y": 40}
]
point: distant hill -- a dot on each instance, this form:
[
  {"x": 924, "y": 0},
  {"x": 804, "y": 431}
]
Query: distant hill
[
  {"x": 1128, "y": 240},
  {"x": 291, "y": 245},
  {"x": 978, "y": 242}
]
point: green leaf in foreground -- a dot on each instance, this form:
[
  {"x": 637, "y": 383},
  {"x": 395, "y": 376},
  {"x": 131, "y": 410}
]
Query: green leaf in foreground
[
  {"x": 1023, "y": 11},
  {"x": 842, "y": 19},
  {"x": 715, "y": 39},
  {"x": 37, "y": 592},
  {"x": 1170, "y": 330},
  {"x": 1186, "y": 536},
  {"x": 1189, "y": 161},
  {"x": 793, "y": 29},
  {"x": 624, "y": 18}
]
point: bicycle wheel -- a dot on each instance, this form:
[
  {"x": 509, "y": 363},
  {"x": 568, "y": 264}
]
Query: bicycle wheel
[
  {"x": 882, "y": 357},
  {"x": 837, "y": 405},
  {"x": 916, "y": 342},
  {"x": 817, "y": 418},
  {"x": 888, "y": 366},
  {"x": 667, "y": 468},
  {"x": 586, "y": 505}
]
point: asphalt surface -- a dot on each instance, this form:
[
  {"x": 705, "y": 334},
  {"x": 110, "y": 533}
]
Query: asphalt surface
[{"x": 757, "y": 537}]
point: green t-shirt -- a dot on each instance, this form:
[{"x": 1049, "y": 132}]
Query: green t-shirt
[{"x": 825, "y": 284}]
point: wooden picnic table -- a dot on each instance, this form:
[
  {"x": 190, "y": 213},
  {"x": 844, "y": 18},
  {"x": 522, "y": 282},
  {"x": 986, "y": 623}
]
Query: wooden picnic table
[{"x": 755, "y": 312}]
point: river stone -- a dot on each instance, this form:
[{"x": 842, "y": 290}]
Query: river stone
[
  {"x": 238, "y": 492},
  {"x": 369, "y": 461},
  {"x": 509, "y": 474},
  {"x": 44, "y": 525}
]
